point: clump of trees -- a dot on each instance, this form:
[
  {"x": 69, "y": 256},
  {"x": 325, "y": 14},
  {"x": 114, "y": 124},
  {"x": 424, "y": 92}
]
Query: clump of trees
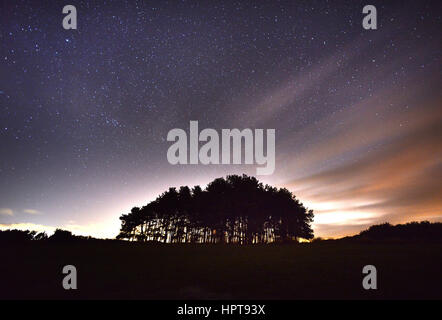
[
  {"x": 20, "y": 236},
  {"x": 17, "y": 236},
  {"x": 235, "y": 209},
  {"x": 412, "y": 231}
]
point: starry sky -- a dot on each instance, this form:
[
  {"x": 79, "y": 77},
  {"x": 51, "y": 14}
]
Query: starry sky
[{"x": 85, "y": 113}]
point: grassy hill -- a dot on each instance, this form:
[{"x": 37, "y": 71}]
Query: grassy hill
[{"x": 118, "y": 269}]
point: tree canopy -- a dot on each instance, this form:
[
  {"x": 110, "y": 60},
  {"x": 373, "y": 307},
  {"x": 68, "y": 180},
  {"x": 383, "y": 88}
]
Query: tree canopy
[
  {"x": 235, "y": 209},
  {"x": 411, "y": 231},
  {"x": 20, "y": 236}
]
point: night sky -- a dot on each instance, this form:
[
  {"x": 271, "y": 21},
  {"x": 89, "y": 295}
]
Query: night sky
[{"x": 85, "y": 113}]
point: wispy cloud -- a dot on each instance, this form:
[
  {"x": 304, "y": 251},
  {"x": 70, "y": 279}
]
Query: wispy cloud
[
  {"x": 6, "y": 212},
  {"x": 397, "y": 179},
  {"x": 28, "y": 226},
  {"x": 32, "y": 211},
  {"x": 105, "y": 229}
]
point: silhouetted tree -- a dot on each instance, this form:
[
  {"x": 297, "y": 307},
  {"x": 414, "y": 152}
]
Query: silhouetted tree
[
  {"x": 16, "y": 236},
  {"x": 19, "y": 236},
  {"x": 62, "y": 236},
  {"x": 41, "y": 236},
  {"x": 412, "y": 231}
]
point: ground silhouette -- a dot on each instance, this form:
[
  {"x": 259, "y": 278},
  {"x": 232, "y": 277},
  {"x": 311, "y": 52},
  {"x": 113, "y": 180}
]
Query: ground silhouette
[{"x": 237, "y": 265}]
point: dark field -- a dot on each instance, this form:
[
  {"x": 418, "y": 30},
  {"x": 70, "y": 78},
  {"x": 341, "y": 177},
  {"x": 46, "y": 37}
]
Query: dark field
[{"x": 326, "y": 270}]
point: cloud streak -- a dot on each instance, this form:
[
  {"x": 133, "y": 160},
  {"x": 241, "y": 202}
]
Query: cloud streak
[
  {"x": 395, "y": 176},
  {"x": 32, "y": 211},
  {"x": 6, "y": 212}
]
